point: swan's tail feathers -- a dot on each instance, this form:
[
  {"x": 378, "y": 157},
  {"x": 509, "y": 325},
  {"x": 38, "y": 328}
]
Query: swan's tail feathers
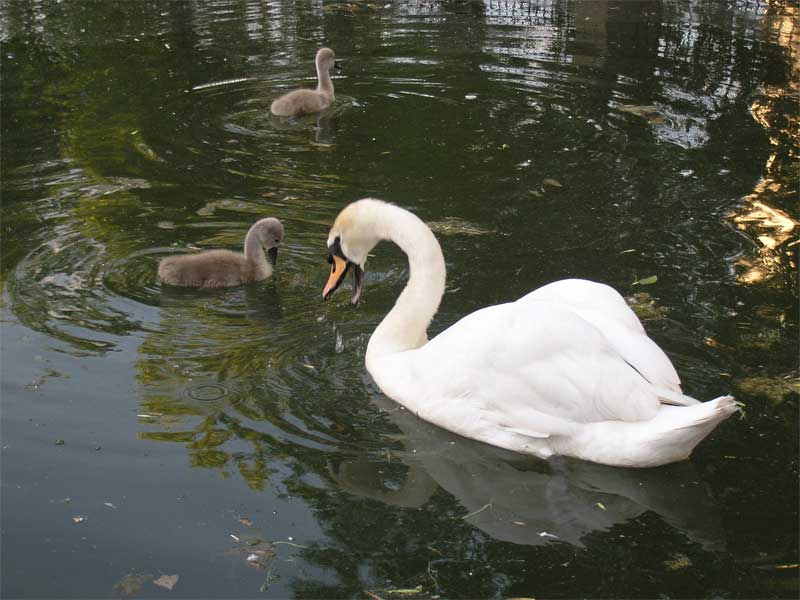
[
  {"x": 676, "y": 430},
  {"x": 674, "y": 398},
  {"x": 709, "y": 414},
  {"x": 668, "y": 437}
]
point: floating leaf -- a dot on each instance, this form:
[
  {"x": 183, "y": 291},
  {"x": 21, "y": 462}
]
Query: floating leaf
[
  {"x": 245, "y": 521},
  {"x": 600, "y": 505},
  {"x": 552, "y": 182},
  {"x": 166, "y": 581},
  {"x": 646, "y": 281}
]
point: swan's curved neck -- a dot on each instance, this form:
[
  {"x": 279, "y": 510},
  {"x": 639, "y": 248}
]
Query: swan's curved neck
[
  {"x": 254, "y": 253},
  {"x": 406, "y": 325},
  {"x": 325, "y": 84}
]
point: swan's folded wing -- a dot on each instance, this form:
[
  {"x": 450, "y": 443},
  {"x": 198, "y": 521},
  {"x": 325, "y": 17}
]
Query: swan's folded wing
[
  {"x": 532, "y": 367},
  {"x": 603, "y": 307}
]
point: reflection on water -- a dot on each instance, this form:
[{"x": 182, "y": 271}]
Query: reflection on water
[
  {"x": 527, "y": 501},
  {"x": 610, "y": 140},
  {"x": 760, "y": 216}
]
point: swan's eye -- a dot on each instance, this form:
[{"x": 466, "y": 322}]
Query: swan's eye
[{"x": 330, "y": 258}]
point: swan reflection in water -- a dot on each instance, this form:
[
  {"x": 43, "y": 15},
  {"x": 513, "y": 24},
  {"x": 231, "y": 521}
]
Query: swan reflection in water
[{"x": 525, "y": 500}]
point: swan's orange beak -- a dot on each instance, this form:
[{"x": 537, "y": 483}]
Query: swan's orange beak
[{"x": 339, "y": 267}]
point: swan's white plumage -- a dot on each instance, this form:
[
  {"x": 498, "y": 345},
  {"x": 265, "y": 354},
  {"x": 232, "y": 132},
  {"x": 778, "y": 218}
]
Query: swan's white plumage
[{"x": 567, "y": 369}]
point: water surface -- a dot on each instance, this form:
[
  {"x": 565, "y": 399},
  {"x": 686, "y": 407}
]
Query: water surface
[{"x": 149, "y": 431}]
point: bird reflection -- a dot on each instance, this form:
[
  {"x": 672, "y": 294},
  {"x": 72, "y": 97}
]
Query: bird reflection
[
  {"x": 528, "y": 501},
  {"x": 324, "y": 126}
]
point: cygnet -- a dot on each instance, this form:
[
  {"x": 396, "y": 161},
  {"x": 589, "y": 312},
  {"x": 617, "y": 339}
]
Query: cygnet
[
  {"x": 305, "y": 101},
  {"x": 223, "y": 268}
]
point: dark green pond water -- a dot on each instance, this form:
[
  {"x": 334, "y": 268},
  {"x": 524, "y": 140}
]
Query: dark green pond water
[{"x": 233, "y": 438}]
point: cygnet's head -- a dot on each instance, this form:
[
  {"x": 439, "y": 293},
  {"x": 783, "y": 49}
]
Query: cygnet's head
[
  {"x": 326, "y": 60},
  {"x": 269, "y": 233},
  {"x": 355, "y": 232}
]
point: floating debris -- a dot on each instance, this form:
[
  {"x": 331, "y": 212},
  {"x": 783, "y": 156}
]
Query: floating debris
[
  {"x": 601, "y": 506},
  {"x": 552, "y": 182},
  {"x": 649, "y": 112},
  {"x": 59, "y": 442},
  {"x": 234, "y": 537},
  {"x": 646, "y": 281},
  {"x": 403, "y": 591},
  {"x": 131, "y": 584},
  {"x": 109, "y": 505},
  {"x": 544, "y": 534},
  {"x": 166, "y": 225},
  {"x": 245, "y": 521},
  {"x": 480, "y": 510},
  {"x": 677, "y": 561},
  {"x": 645, "y": 307},
  {"x": 80, "y": 519},
  {"x": 166, "y": 581},
  {"x": 470, "y": 96},
  {"x": 774, "y": 389}
]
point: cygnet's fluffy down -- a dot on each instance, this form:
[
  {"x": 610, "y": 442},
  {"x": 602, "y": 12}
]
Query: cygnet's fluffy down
[
  {"x": 305, "y": 101},
  {"x": 223, "y": 268}
]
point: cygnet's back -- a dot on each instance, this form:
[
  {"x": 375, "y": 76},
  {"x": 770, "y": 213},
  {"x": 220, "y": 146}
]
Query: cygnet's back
[{"x": 223, "y": 268}]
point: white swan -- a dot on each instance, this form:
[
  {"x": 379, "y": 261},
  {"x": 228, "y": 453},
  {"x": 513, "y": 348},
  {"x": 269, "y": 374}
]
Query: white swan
[
  {"x": 567, "y": 369},
  {"x": 304, "y": 101},
  {"x": 223, "y": 268}
]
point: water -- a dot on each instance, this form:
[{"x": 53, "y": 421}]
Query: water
[{"x": 610, "y": 140}]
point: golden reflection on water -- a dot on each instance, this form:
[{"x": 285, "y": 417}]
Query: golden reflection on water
[{"x": 772, "y": 230}]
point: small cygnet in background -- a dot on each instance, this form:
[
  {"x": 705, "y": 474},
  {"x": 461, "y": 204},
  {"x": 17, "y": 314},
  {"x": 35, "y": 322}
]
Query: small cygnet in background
[{"x": 305, "y": 101}]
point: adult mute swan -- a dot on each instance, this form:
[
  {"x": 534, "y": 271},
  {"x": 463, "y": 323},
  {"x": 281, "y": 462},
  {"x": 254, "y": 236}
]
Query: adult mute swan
[
  {"x": 304, "y": 101},
  {"x": 223, "y": 268},
  {"x": 566, "y": 369}
]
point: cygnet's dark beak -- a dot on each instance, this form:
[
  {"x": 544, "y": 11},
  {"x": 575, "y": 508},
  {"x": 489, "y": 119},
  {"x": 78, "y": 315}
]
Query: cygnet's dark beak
[
  {"x": 337, "y": 66},
  {"x": 272, "y": 255}
]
